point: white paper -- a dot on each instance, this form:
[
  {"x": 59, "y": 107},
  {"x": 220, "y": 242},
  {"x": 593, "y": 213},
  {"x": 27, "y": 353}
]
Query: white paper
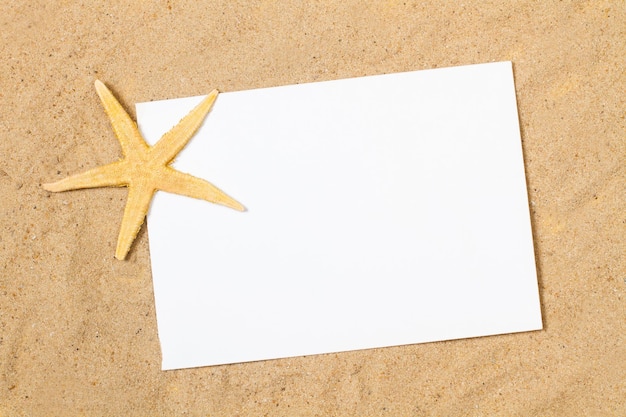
[{"x": 382, "y": 210}]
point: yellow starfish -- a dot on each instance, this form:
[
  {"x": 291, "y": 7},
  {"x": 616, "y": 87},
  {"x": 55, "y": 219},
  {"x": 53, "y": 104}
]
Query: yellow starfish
[{"x": 145, "y": 169}]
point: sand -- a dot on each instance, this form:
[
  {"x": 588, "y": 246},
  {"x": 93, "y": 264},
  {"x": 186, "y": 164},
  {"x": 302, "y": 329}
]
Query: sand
[{"x": 78, "y": 328}]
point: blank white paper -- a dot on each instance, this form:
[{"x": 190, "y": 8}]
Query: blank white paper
[{"x": 381, "y": 211}]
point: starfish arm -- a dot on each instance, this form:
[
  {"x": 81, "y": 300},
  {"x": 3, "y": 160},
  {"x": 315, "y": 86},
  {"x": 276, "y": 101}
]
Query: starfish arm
[
  {"x": 175, "y": 140},
  {"x": 137, "y": 205},
  {"x": 109, "y": 175},
  {"x": 124, "y": 127},
  {"x": 184, "y": 184}
]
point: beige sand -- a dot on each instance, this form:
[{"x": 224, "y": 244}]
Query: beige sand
[{"x": 77, "y": 327}]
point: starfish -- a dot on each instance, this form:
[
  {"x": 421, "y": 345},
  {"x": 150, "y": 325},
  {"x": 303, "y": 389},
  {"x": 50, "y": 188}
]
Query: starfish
[{"x": 145, "y": 169}]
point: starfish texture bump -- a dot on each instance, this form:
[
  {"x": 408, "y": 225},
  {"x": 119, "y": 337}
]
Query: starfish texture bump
[{"x": 145, "y": 169}]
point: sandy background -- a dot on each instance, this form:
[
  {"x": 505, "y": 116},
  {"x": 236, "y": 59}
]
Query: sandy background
[{"x": 77, "y": 327}]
